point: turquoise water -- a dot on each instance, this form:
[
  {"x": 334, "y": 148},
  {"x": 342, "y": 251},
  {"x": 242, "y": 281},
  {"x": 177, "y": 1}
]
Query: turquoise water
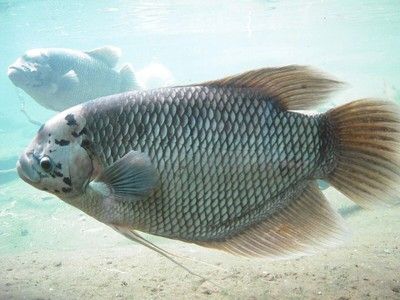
[{"x": 355, "y": 41}]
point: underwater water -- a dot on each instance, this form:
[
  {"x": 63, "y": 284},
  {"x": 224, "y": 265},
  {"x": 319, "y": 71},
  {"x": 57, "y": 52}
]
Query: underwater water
[{"x": 51, "y": 250}]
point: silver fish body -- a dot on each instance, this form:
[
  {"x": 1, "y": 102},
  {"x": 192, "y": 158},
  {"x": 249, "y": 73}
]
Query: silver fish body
[
  {"x": 223, "y": 156},
  {"x": 226, "y": 164},
  {"x": 59, "y": 78}
]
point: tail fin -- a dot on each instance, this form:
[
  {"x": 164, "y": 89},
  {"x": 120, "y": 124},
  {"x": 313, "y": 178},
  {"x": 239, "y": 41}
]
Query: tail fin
[
  {"x": 367, "y": 151},
  {"x": 128, "y": 79}
]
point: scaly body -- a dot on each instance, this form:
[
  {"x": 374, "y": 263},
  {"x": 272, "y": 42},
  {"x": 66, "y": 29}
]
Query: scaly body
[
  {"x": 225, "y": 164},
  {"x": 222, "y": 154}
]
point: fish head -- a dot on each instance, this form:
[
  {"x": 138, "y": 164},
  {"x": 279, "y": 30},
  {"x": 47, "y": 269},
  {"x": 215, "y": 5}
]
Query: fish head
[
  {"x": 56, "y": 160},
  {"x": 32, "y": 71}
]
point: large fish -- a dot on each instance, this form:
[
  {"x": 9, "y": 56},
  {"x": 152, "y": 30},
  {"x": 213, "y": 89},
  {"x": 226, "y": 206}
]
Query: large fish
[
  {"x": 224, "y": 164},
  {"x": 59, "y": 78}
]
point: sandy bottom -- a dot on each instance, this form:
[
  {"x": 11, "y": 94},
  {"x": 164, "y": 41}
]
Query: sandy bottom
[{"x": 367, "y": 266}]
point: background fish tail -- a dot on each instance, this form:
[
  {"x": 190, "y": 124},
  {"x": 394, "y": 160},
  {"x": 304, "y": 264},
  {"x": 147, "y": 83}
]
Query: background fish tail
[{"x": 366, "y": 136}]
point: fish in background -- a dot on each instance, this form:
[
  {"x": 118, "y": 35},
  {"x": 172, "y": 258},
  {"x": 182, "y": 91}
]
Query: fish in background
[
  {"x": 230, "y": 164},
  {"x": 59, "y": 78}
]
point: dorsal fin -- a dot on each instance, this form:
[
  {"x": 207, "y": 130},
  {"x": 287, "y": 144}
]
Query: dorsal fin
[
  {"x": 294, "y": 87},
  {"x": 107, "y": 54},
  {"x": 308, "y": 224}
]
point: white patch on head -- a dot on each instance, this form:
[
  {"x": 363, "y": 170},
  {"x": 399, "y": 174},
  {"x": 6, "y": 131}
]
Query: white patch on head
[{"x": 59, "y": 143}]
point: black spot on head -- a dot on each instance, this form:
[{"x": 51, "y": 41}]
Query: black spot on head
[
  {"x": 70, "y": 120},
  {"x": 67, "y": 180},
  {"x": 49, "y": 141},
  {"x": 66, "y": 190},
  {"x": 58, "y": 174},
  {"x": 85, "y": 144},
  {"x": 62, "y": 142},
  {"x": 83, "y": 131},
  {"x": 49, "y": 134},
  {"x": 56, "y": 191},
  {"x": 44, "y": 189},
  {"x": 58, "y": 166}
]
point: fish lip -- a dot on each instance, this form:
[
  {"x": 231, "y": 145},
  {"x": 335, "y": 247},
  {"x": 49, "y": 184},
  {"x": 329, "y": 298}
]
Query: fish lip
[
  {"x": 21, "y": 173},
  {"x": 15, "y": 74},
  {"x": 26, "y": 176},
  {"x": 12, "y": 70},
  {"x": 18, "y": 77}
]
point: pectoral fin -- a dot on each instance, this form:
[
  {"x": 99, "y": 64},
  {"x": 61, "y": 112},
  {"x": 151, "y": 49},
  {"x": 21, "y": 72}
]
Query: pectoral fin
[
  {"x": 68, "y": 81},
  {"x": 131, "y": 178}
]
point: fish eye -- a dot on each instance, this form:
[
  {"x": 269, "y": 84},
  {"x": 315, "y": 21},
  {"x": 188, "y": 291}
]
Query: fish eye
[{"x": 45, "y": 163}]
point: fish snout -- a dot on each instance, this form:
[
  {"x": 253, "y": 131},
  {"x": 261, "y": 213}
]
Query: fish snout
[
  {"x": 12, "y": 70},
  {"x": 26, "y": 169},
  {"x": 16, "y": 75},
  {"x": 22, "y": 73}
]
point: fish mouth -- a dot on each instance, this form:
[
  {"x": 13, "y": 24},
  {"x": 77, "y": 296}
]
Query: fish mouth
[
  {"x": 16, "y": 75},
  {"x": 12, "y": 70},
  {"x": 26, "y": 171},
  {"x": 23, "y": 76}
]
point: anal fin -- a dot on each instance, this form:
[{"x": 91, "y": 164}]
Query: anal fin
[{"x": 307, "y": 225}]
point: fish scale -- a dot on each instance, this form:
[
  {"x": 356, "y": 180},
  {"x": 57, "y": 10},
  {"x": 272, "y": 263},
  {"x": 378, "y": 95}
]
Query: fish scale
[{"x": 222, "y": 156}]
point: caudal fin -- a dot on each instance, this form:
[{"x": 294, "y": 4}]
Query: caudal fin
[{"x": 367, "y": 134}]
